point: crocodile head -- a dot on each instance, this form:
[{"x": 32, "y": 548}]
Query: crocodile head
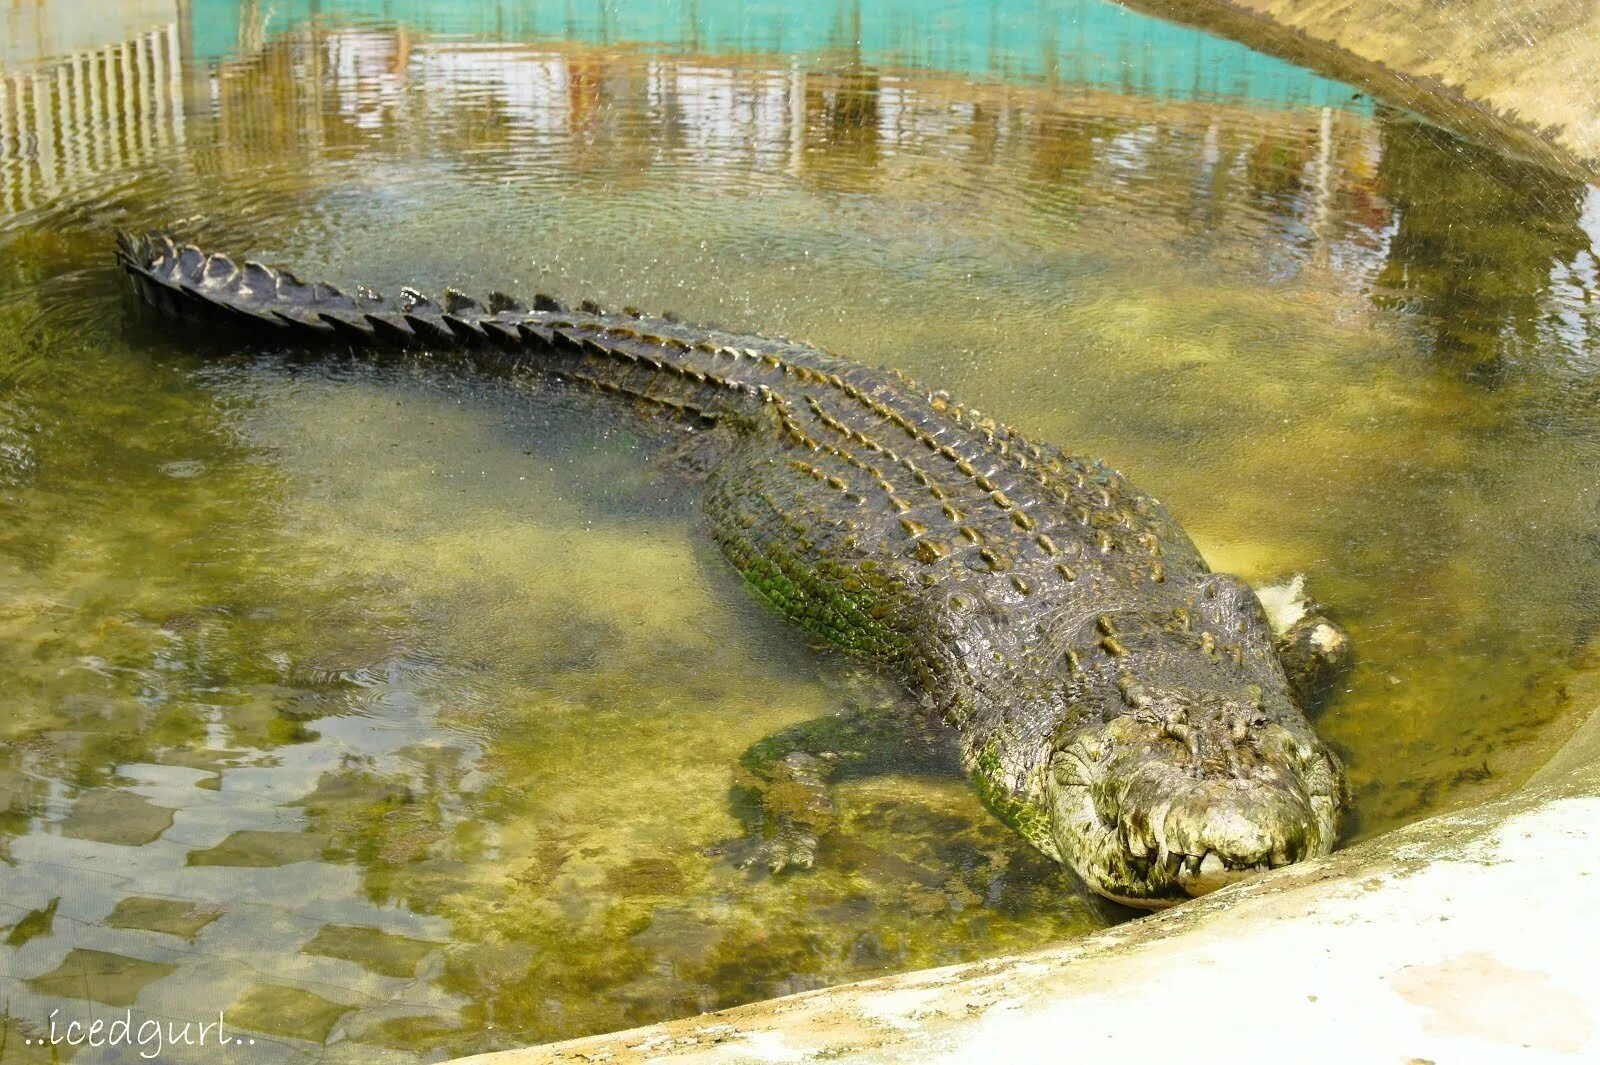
[{"x": 1181, "y": 792}]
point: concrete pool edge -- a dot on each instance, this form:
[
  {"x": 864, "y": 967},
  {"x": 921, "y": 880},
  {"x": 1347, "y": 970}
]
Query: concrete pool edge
[
  {"x": 1518, "y": 92},
  {"x": 1458, "y": 937}
]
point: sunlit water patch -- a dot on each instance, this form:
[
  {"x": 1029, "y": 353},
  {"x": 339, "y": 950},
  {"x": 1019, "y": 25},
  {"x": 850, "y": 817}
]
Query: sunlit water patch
[{"x": 394, "y": 711}]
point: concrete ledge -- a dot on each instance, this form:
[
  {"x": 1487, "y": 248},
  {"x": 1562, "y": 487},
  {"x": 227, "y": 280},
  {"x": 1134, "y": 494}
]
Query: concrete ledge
[{"x": 1524, "y": 76}]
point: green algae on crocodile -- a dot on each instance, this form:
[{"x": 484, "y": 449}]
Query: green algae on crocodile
[{"x": 1122, "y": 707}]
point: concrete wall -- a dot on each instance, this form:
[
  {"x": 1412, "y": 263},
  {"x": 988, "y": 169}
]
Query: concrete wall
[{"x": 1526, "y": 72}]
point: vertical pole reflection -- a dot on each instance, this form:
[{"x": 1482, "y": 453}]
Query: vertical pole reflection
[
  {"x": 83, "y": 138},
  {"x": 129, "y": 125},
  {"x": 63, "y": 123},
  {"x": 175, "y": 80},
  {"x": 1322, "y": 201},
  {"x": 9, "y": 153},
  {"x": 142, "y": 109},
  {"x": 96, "y": 125},
  {"x": 156, "y": 47},
  {"x": 139, "y": 101},
  {"x": 24, "y": 151},
  {"x": 797, "y": 117},
  {"x": 44, "y": 142},
  {"x": 113, "y": 128}
]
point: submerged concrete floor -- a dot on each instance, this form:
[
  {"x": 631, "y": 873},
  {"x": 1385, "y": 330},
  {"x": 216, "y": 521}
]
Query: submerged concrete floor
[{"x": 1468, "y": 937}]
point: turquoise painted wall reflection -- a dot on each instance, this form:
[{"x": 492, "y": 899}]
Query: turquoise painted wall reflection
[{"x": 1084, "y": 42}]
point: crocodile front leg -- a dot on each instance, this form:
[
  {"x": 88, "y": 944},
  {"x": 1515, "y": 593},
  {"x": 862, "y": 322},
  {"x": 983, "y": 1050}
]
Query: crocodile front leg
[
  {"x": 1315, "y": 652},
  {"x": 1314, "y": 649},
  {"x": 783, "y": 784}
]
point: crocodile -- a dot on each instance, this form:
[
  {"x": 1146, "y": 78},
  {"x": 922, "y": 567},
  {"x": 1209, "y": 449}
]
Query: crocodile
[{"x": 1131, "y": 713}]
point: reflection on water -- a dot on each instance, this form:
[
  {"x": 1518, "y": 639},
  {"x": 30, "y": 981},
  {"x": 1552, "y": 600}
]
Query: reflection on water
[
  {"x": 394, "y": 711},
  {"x": 1479, "y": 243},
  {"x": 93, "y": 116}
]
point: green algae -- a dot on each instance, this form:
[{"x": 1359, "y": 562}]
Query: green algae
[
  {"x": 34, "y": 923},
  {"x": 174, "y": 917},
  {"x": 100, "y": 976},
  {"x": 371, "y": 948},
  {"x": 260, "y": 850},
  {"x": 288, "y": 1011}
]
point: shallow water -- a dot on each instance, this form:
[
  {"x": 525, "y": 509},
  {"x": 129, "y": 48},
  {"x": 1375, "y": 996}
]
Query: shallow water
[{"x": 393, "y": 709}]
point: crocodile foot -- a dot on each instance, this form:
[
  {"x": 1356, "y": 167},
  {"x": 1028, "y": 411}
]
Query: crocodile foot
[
  {"x": 1314, "y": 649},
  {"x": 788, "y": 850},
  {"x": 1316, "y": 655},
  {"x": 794, "y": 812},
  {"x": 782, "y": 787}
]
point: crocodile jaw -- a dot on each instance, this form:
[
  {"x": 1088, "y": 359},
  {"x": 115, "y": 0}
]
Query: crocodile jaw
[{"x": 1147, "y": 824}]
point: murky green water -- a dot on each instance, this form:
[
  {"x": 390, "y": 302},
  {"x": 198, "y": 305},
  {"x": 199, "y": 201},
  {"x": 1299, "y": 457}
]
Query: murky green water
[{"x": 395, "y": 710}]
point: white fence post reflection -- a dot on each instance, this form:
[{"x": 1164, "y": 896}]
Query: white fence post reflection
[
  {"x": 87, "y": 116},
  {"x": 8, "y": 146}
]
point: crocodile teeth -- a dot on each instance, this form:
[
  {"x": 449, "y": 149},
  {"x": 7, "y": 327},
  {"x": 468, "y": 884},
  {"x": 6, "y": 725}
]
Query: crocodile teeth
[{"x": 1207, "y": 874}]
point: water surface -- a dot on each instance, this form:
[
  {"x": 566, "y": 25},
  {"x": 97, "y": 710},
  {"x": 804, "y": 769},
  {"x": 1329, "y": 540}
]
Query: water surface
[{"x": 393, "y": 710}]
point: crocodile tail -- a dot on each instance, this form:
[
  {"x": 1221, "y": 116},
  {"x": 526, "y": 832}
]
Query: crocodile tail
[
  {"x": 181, "y": 279},
  {"x": 658, "y": 360}
]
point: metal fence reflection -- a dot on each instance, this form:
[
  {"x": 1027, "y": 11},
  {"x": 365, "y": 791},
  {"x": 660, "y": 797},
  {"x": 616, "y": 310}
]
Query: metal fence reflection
[{"x": 93, "y": 114}]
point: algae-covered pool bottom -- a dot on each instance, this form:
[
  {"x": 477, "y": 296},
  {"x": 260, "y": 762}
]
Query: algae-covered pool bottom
[
  {"x": 463, "y": 703},
  {"x": 392, "y": 711}
]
